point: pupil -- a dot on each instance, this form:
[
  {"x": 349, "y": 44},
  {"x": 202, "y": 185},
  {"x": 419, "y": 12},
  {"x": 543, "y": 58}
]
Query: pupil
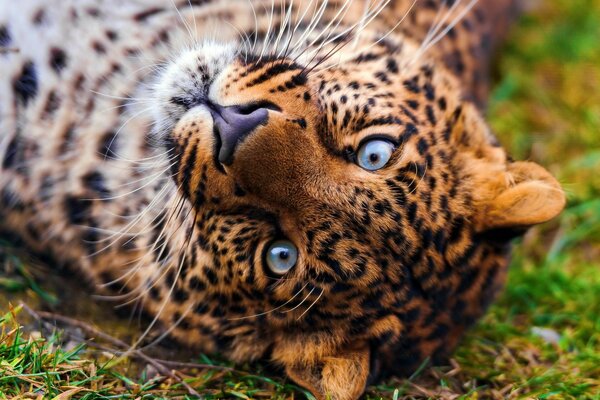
[
  {"x": 284, "y": 254},
  {"x": 373, "y": 157}
]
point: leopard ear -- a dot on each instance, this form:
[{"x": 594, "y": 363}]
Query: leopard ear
[
  {"x": 342, "y": 376},
  {"x": 528, "y": 196}
]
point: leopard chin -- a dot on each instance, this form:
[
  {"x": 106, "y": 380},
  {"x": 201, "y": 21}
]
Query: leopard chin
[{"x": 312, "y": 184}]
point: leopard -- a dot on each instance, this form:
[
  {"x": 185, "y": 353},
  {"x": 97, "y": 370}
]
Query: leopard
[{"x": 309, "y": 183}]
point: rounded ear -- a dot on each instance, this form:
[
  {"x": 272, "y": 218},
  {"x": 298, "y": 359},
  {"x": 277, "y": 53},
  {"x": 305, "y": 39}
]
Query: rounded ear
[
  {"x": 342, "y": 376},
  {"x": 508, "y": 195},
  {"x": 531, "y": 196}
]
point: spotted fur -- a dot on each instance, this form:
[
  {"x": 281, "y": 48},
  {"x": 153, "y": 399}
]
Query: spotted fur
[{"x": 109, "y": 164}]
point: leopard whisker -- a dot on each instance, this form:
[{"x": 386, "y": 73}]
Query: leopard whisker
[
  {"x": 290, "y": 34},
  {"x": 167, "y": 331},
  {"x": 450, "y": 26},
  {"x": 193, "y": 17},
  {"x": 154, "y": 177},
  {"x": 255, "y": 26},
  {"x": 348, "y": 31},
  {"x": 315, "y": 19},
  {"x": 345, "y": 35},
  {"x": 282, "y": 25},
  {"x": 267, "y": 35},
  {"x": 114, "y": 238},
  {"x": 168, "y": 296},
  {"x": 302, "y": 302},
  {"x": 135, "y": 115},
  {"x": 317, "y": 51},
  {"x": 440, "y": 18},
  {"x": 311, "y": 306},
  {"x": 185, "y": 24},
  {"x": 141, "y": 290},
  {"x": 422, "y": 178},
  {"x": 436, "y": 37},
  {"x": 272, "y": 310},
  {"x": 162, "y": 157},
  {"x": 299, "y": 20},
  {"x": 339, "y": 17},
  {"x": 382, "y": 38},
  {"x": 362, "y": 19},
  {"x": 164, "y": 245}
]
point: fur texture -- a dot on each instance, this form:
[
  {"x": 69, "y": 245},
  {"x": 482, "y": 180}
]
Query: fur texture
[{"x": 109, "y": 165}]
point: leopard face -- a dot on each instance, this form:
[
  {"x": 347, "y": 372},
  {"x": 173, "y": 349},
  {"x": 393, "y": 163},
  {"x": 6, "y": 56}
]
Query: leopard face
[{"x": 350, "y": 219}]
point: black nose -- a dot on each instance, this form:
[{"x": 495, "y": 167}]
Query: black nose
[{"x": 233, "y": 124}]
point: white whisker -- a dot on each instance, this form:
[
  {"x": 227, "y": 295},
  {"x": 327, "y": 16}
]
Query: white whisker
[{"x": 311, "y": 306}]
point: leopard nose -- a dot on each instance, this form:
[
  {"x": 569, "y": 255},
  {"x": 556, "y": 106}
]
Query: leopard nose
[{"x": 233, "y": 124}]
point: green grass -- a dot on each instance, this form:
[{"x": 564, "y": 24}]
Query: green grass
[{"x": 545, "y": 107}]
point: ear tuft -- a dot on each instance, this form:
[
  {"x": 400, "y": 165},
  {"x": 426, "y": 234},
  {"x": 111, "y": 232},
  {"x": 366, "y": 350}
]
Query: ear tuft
[
  {"x": 532, "y": 196},
  {"x": 340, "y": 377}
]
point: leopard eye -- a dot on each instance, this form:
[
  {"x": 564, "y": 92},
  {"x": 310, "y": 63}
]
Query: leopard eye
[
  {"x": 375, "y": 154},
  {"x": 281, "y": 256}
]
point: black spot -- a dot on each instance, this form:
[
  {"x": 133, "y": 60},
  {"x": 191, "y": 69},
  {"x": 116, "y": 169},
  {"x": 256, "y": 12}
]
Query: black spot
[
  {"x": 458, "y": 312},
  {"x": 422, "y": 146},
  {"x": 25, "y": 85},
  {"x": 430, "y": 115},
  {"x": 410, "y": 131},
  {"x": 440, "y": 332},
  {"x": 112, "y": 35},
  {"x": 95, "y": 181},
  {"x": 58, "y": 59},
  {"x": 77, "y": 209},
  {"x": 52, "y": 104},
  {"x": 10, "y": 157},
  {"x": 238, "y": 191},
  {"x": 188, "y": 169},
  {"x": 5, "y": 38},
  {"x": 210, "y": 275},
  {"x": 39, "y": 17},
  {"x": 429, "y": 91},
  {"x": 412, "y": 212},
  {"x": 301, "y": 122},
  {"x": 412, "y": 85},
  {"x": 93, "y": 12},
  {"x": 413, "y": 104},
  {"x": 201, "y": 309},
  {"x": 98, "y": 47},
  {"x": 382, "y": 77},
  {"x": 108, "y": 145},
  {"x": 196, "y": 284},
  {"x": 442, "y": 103},
  {"x": 392, "y": 66},
  {"x": 144, "y": 15},
  {"x": 179, "y": 295}
]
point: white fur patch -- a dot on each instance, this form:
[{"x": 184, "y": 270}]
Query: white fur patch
[{"x": 187, "y": 76}]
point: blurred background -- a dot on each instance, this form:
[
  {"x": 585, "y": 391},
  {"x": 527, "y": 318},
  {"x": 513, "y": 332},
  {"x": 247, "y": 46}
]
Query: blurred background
[{"x": 540, "y": 340}]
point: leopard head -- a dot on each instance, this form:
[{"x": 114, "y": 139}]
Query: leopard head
[{"x": 352, "y": 215}]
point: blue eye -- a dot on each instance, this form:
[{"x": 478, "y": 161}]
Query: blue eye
[
  {"x": 281, "y": 256},
  {"x": 375, "y": 154}
]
